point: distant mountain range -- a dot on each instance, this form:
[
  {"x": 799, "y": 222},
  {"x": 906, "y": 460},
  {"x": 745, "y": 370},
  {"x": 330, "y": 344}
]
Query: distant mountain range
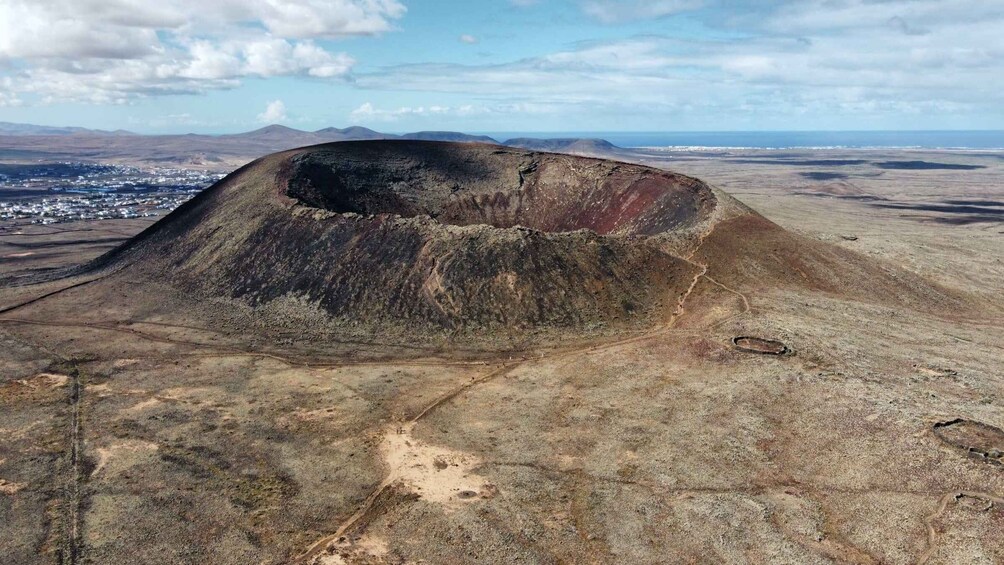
[
  {"x": 9, "y": 128},
  {"x": 25, "y": 142}
]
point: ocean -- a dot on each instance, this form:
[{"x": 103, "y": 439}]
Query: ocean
[{"x": 953, "y": 139}]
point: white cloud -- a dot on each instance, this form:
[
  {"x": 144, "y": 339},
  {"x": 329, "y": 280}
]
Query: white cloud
[
  {"x": 114, "y": 50},
  {"x": 274, "y": 112},
  {"x": 835, "y": 62},
  {"x": 7, "y": 98},
  {"x": 842, "y": 59},
  {"x": 468, "y": 39},
  {"x": 128, "y": 28},
  {"x": 279, "y": 57},
  {"x": 325, "y": 18},
  {"x": 210, "y": 62}
]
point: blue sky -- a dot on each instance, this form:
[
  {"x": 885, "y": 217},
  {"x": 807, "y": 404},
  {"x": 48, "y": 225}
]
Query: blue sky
[{"x": 503, "y": 65}]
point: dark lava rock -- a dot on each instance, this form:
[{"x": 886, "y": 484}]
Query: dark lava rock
[{"x": 442, "y": 235}]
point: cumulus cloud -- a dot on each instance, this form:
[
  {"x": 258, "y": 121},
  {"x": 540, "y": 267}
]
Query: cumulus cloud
[
  {"x": 777, "y": 58},
  {"x": 468, "y": 39},
  {"x": 279, "y": 57},
  {"x": 114, "y": 50},
  {"x": 127, "y": 28},
  {"x": 274, "y": 112},
  {"x": 8, "y": 100}
]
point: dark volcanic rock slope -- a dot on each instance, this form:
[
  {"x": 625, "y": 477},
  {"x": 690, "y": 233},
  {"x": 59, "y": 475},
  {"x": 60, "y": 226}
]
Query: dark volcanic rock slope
[{"x": 443, "y": 235}]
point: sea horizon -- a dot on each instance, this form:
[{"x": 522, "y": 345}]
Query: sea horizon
[{"x": 823, "y": 139}]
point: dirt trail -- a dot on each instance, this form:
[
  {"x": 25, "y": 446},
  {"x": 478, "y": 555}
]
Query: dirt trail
[
  {"x": 332, "y": 337},
  {"x": 392, "y": 450},
  {"x": 932, "y": 531},
  {"x": 745, "y": 299},
  {"x": 76, "y": 448},
  {"x": 680, "y": 305},
  {"x": 398, "y": 447},
  {"x": 225, "y": 351},
  {"x": 52, "y": 293},
  {"x": 392, "y": 454}
]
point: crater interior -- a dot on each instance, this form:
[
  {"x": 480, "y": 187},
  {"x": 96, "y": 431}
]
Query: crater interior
[{"x": 499, "y": 187}]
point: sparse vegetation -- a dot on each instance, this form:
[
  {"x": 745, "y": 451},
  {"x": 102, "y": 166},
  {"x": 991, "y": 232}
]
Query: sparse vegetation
[{"x": 244, "y": 428}]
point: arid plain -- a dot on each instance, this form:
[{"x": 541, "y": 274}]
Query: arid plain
[{"x": 142, "y": 424}]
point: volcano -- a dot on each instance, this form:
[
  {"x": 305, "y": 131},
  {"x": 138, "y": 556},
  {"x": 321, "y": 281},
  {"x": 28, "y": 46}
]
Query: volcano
[
  {"x": 436, "y": 234},
  {"x": 464, "y": 237}
]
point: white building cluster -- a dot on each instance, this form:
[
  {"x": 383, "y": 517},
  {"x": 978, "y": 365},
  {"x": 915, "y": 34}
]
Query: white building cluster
[
  {"x": 72, "y": 191},
  {"x": 89, "y": 207}
]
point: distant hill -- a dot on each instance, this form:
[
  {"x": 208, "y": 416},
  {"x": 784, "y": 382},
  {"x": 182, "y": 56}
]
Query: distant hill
[
  {"x": 9, "y": 128},
  {"x": 283, "y": 134},
  {"x": 351, "y": 133},
  {"x": 271, "y": 131},
  {"x": 279, "y": 134},
  {"x": 448, "y": 136},
  {"x": 574, "y": 145},
  {"x": 25, "y": 142}
]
